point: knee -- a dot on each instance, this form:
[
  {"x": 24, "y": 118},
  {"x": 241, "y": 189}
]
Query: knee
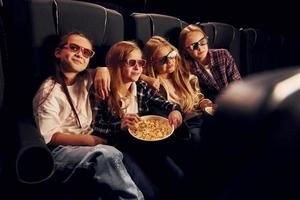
[{"x": 110, "y": 152}]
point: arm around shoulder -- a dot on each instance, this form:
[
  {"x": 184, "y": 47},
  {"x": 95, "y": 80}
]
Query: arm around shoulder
[
  {"x": 154, "y": 83},
  {"x": 102, "y": 82}
]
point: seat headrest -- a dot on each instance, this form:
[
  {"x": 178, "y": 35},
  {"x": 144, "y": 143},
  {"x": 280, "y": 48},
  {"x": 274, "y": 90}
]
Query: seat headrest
[
  {"x": 260, "y": 93},
  {"x": 49, "y": 18},
  {"x": 147, "y": 25},
  {"x": 220, "y": 35}
]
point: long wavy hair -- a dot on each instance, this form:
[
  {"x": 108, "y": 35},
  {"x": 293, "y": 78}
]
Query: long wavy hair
[
  {"x": 187, "y": 60},
  {"x": 180, "y": 78},
  {"x": 115, "y": 60}
]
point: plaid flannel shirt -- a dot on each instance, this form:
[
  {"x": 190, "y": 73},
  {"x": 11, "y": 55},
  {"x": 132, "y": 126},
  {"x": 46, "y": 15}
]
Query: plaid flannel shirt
[
  {"x": 106, "y": 124},
  {"x": 223, "y": 69}
]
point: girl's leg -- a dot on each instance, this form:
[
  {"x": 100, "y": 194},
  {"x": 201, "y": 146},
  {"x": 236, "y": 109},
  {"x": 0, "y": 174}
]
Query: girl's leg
[
  {"x": 143, "y": 182},
  {"x": 105, "y": 163}
]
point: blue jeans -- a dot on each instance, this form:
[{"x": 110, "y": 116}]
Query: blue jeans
[{"x": 104, "y": 164}]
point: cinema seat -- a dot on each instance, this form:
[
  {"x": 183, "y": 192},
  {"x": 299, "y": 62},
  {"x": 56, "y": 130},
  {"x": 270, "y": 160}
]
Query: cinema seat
[
  {"x": 2, "y": 152},
  {"x": 261, "y": 50},
  {"x": 145, "y": 25},
  {"x": 257, "y": 156},
  {"x": 43, "y": 21}
]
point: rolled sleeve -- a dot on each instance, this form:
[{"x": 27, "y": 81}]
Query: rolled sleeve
[{"x": 47, "y": 120}]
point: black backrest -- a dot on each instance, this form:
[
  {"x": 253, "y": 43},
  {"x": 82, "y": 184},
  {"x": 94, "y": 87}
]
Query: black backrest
[
  {"x": 290, "y": 56},
  {"x": 1, "y": 81},
  {"x": 261, "y": 146},
  {"x": 103, "y": 26},
  {"x": 261, "y": 50},
  {"x": 41, "y": 21},
  {"x": 146, "y": 25},
  {"x": 1, "y": 99},
  {"x": 226, "y": 36},
  {"x": 3, "y": 58},
  {"x": 8, "y": 141}
]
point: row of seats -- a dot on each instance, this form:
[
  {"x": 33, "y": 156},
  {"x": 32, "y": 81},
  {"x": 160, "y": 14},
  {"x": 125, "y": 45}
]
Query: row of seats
[{"x": 254, "y": 50}]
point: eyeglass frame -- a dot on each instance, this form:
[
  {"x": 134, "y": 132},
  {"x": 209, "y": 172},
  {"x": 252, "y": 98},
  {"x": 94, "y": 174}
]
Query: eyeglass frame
[
  {"x": 136, "y": 61},
  {"x": 194, "y": 46},
  {"x": 80, "y": 48},
  {"x": 164, "y": 59}
]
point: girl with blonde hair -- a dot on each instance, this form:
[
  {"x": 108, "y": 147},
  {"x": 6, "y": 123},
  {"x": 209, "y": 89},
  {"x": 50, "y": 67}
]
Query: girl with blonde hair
[
  {"x": 215, "y": 68},
  {"x": 130, "y": 98},
  {"x": 178, "y": 86}
]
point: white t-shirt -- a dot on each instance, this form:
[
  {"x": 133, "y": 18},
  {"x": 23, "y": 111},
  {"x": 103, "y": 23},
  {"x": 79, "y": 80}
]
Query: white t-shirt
[
  {"x": 132, "y": 107},
  {"x": 55, "y": 113}
]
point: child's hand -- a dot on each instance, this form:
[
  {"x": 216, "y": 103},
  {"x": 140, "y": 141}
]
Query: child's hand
[
  {"x": 175, "y": 118},
  {"x": 102, "y": 82},
  {"x": 154, "y": 83},
  {"x": 94, "y": 140},
  {"x": 205, "y": 103},
  {"x": 129, "y": 120}
]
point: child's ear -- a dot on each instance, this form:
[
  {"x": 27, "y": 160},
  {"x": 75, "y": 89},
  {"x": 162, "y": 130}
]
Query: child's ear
[{"x": 57, "y": 52}]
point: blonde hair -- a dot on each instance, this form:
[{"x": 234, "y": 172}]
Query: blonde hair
[
  {"x": 186, "y": 58},
  {"x": 179, "y": 77},
  {"x": 115, "y": 59}
]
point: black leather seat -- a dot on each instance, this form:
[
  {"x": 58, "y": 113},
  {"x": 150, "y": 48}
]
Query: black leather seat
[
  {"x": 2, "y": 156},
  {"x": 42, "y": 21},
  {"x": 146, "y": 25},
  {"x": 257, "y": 156},
  {"x": 261, "y": 50}
]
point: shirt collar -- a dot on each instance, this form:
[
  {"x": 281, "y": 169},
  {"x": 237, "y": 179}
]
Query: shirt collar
[
  {"x": 132, "y": 93},
  {"x": 133, "y": 90}
]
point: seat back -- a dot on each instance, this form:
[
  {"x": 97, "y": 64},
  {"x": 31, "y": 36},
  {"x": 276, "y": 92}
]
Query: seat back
[
  {"x": 261, "y": 50},
  {"x": 3, "y": 58},
  {"x": 49, "y": 18},
  {"x": 1, "y": 81},
  {"x": 146, "y": 25},
  {"x": 1, "y": 97},
  {"x": 226, "y": 36},
  {"x": 258, "y": 154},
  {"x": 42, "y": 22}
]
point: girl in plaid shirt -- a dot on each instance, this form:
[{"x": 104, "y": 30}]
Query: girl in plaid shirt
[
  {"x": 129, "y": 99},
  {"x": 215, "y": 68}
]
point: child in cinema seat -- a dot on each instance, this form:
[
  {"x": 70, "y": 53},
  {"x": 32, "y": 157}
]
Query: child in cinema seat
[
  {"x": 215, "y": 68},
  {"x": 164, "y": 65},
  {"x": 130, "y": 98}
]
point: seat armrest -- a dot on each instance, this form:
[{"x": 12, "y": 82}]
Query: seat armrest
[{"x": 34, "y": 163}]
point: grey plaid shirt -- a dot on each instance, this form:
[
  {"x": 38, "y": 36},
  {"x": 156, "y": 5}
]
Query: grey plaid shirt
[{"x": 223, "y": 69}]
